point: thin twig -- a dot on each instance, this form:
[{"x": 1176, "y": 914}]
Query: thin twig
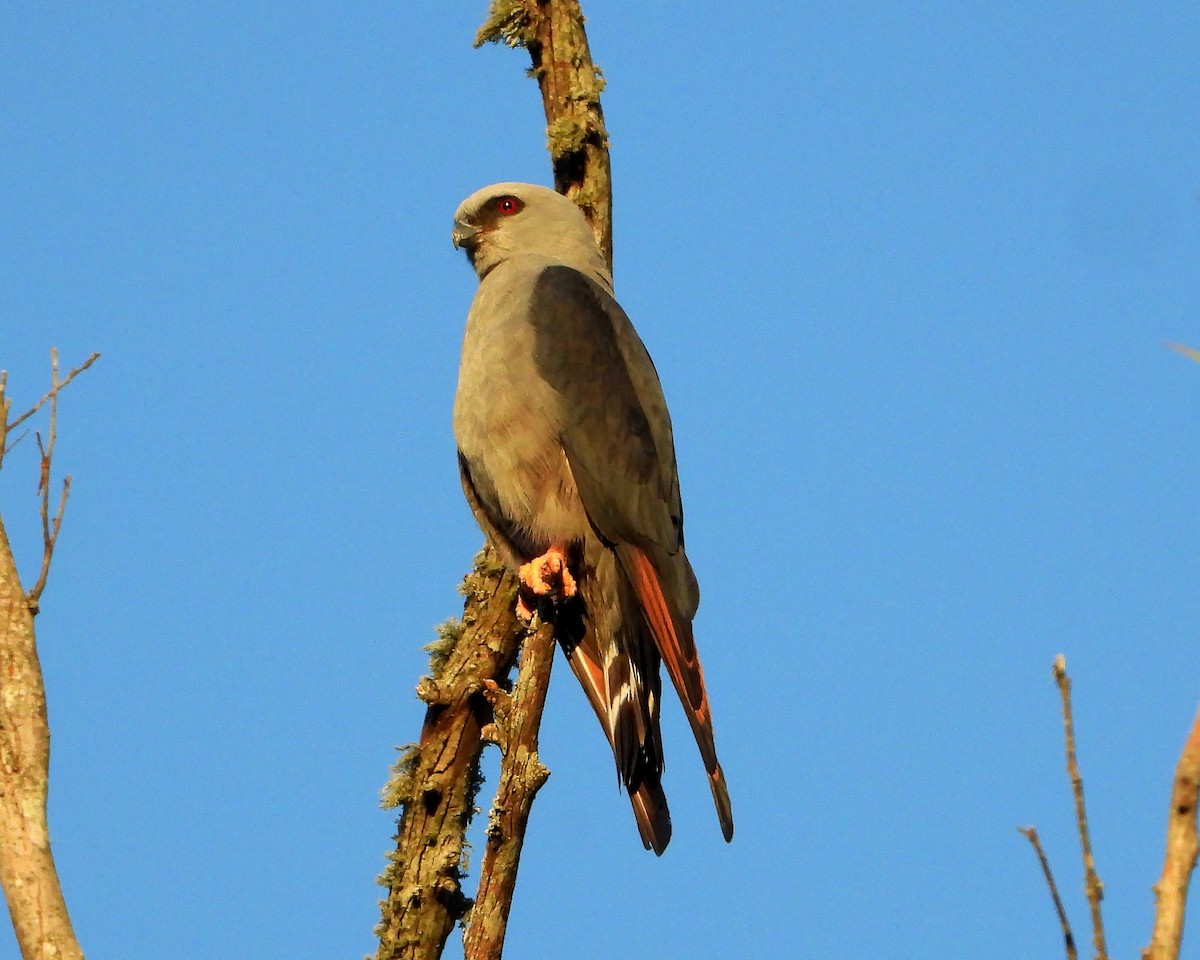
[
  {"x": 1092, "y": 885},
  {"x": 1185, "y": 350},
  {"x": 5, "y": 406},
  {"x": 1182, "y": 847},
  {"x": 50, "y": 529},
  {"x": 56, "y": 388},
  {"x": 49, "y": 539},
  {"x": 1031, "y": 835}
]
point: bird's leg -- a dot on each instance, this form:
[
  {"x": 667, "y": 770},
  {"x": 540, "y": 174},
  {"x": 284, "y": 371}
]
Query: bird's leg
[{"x": 545, "y": 576}]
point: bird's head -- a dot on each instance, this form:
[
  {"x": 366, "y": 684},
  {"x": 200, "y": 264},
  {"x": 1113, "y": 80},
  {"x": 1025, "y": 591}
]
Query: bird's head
[{"x": 509, "y": 220}]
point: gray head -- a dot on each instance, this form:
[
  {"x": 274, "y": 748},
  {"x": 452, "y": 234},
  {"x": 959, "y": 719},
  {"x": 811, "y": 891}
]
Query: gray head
[{"x": 509, "y": 220}]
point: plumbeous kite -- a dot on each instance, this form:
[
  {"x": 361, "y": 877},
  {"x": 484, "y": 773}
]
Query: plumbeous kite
[{"x": 568, "y": 462}]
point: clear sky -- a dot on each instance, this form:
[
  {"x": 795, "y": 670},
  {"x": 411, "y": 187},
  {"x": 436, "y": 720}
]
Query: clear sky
[{"x": 906, "y": 270}]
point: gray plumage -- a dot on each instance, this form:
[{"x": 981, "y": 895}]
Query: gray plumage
[{"x": 565, "y": 443}]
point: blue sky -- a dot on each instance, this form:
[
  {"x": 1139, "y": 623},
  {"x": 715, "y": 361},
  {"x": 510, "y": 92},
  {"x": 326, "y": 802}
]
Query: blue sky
[{"x": 906, "y": 271}]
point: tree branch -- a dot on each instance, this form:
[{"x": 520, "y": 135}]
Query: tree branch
[
  {"x": 1092, "y": 884},
  {"x": 57, "y": 387},
  {"x": 553, "y": 32},
  {"x": 436, "y": 780},
  {"x": 1170, "y": 892},
  {"x": 27, "y": 872},
  {"x": 522, "y": 774},
  {"x": 1031, "y": 834}
]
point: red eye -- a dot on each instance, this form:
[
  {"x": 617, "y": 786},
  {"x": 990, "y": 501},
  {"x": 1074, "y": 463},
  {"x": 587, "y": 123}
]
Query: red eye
[{"x": 507, "y": 206}]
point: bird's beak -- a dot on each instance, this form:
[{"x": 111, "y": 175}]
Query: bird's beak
[{"x": 464, "y": 234}]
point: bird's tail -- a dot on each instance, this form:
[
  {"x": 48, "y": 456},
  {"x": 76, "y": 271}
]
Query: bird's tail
[
  {"x": 653, "y": 817},
  {"x": 625, "y": 699},
  {"x": 677, "y": 646}
]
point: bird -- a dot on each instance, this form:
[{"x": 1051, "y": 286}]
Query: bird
[{"x": 567, "y": 459}]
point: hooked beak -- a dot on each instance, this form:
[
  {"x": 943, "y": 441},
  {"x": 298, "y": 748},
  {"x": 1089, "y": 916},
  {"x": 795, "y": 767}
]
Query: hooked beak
[{"x": 464, "y": 235}]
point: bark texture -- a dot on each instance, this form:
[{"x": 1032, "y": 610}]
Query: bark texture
[
  {"x": 522, "y": 775},
  {"x": 436, "y": 781},
  {"x": 1182, "y": 847},
  {"x": 31, "y": 887},
  {"x": 570, "y": 83},
  {"x": 27, "y": 872}
]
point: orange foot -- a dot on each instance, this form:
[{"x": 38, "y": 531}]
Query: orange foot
[{"x": 544, "y": 576}]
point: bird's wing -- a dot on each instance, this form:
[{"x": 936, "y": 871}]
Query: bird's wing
[
  {"x": 618, "y": 442},
  {"x": 616, "y": 430}
]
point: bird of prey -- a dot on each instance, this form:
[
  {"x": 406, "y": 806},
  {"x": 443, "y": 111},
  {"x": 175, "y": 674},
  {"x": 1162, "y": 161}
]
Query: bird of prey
[{"x": 567, "y": 459}]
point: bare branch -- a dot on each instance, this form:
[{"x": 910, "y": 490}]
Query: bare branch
[
  {"x": 5, "y": 406},
  {"x": 436, "y": 781},
  {"x": 553, "y": 31},
  {"x": 1092, "y": 885},
  {"x": 50, "y": 530},
  {"x": 1031, "y": 834},
  {"x": 49, "y": 539},
  {"x": 522, "y": 775},
  {"x": 1185, "y": 350},
  {"x": 58, "y": 385},
  {"x": 27, "y": 873},
  {"x": 1182, "y": 846}
]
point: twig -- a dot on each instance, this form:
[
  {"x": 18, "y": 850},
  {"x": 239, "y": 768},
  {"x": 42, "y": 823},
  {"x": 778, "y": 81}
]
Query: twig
[
  {"x": 1031, "y": 835},
  {"x": 5, "y": 406},
  {"x": 50, "y": 530},
  {"x": 1092, "y": 885},
  {"x": 1182, "y": 846},
  {"x": 522, "y": 775},
  {"x": 58, "y": 385},
  {"x": 1185, "y": 350}
]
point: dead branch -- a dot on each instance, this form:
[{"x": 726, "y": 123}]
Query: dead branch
[
  {"x": 1170, "y": 892},
  {"x": 57, "y": 385},
  {"x": 1092, "y": 885},
  {"x": 1031, "y": 834},
  {"x": 50, "y": 528},
  {"x": 436, "y": 781},
  {"x": 570, "y": 83},
  {"x": 522, "y": 774},
  {"x": 27, "y": 872}
]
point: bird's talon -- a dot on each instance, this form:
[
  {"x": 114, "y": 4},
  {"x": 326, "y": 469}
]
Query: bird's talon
[{"x": 548, "y": 575}]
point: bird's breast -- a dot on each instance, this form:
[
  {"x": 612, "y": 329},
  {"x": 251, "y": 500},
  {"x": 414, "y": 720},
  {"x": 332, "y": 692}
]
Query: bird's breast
[{"x": 508, "y": 419}]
